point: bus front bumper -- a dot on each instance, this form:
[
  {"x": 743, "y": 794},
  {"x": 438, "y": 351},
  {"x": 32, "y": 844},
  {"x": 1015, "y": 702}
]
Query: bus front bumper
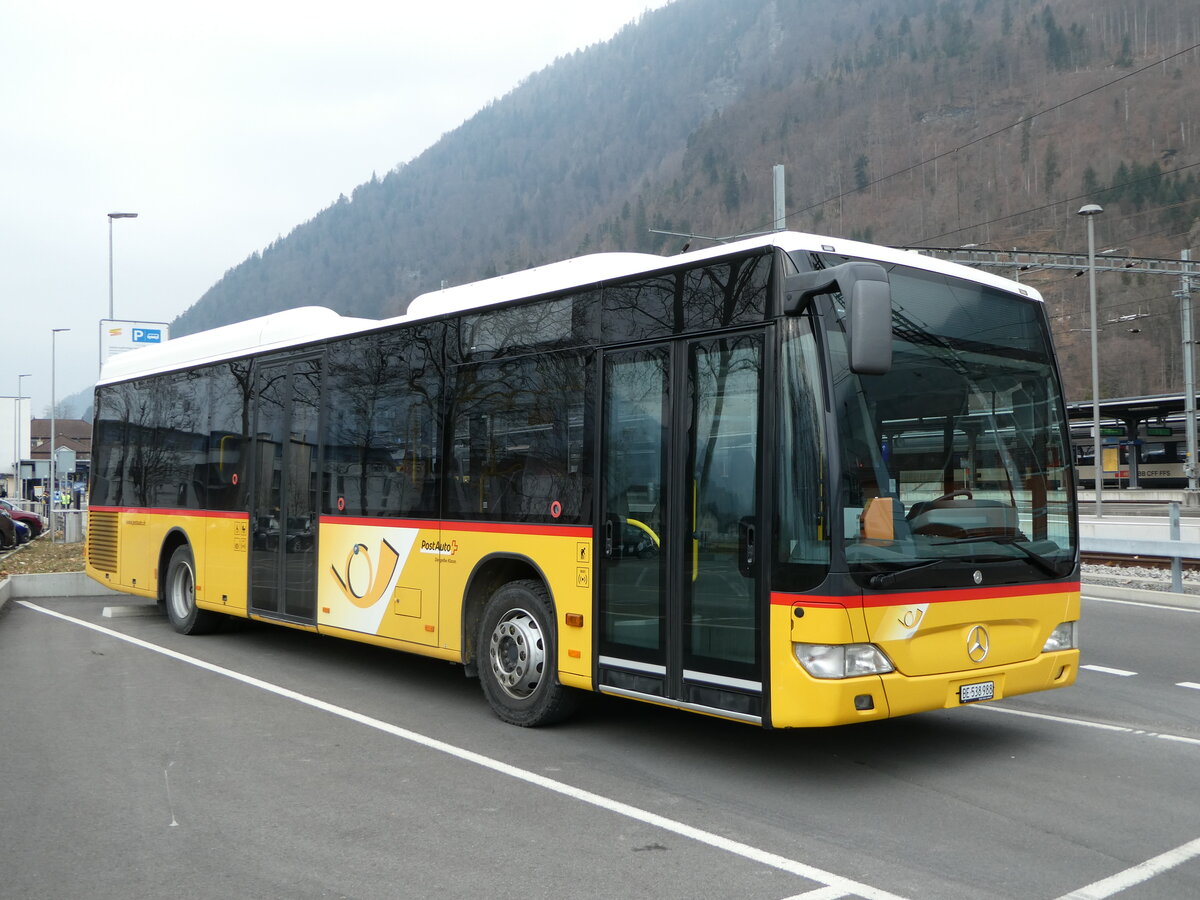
[{"x": 801, "y": 701}]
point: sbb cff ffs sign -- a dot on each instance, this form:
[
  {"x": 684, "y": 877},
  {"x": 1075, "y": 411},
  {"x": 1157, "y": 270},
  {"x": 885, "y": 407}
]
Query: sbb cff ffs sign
[{"x": 118, "y": 336}]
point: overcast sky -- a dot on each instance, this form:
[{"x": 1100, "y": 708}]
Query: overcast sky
[{"x": 223, "y": 125}]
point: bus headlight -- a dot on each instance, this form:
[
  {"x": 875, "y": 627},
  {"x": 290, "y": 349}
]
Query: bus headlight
[
  {"x": 842, "y": 660},
  {"x": 1064, "y": 637}
]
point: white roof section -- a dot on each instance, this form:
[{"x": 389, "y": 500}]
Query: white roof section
[
  {"x": 795, "y": 241},
  {"x": 585, "y": 271},
  {"x": 275, "y": 331},
  {"x": 577, "y": 272},
  {"x": 313, "y": 323}
]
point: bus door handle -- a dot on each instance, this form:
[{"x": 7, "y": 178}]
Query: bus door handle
[
  {"x": 746, "y": 547},
  {"x": 608, "y": 537}
]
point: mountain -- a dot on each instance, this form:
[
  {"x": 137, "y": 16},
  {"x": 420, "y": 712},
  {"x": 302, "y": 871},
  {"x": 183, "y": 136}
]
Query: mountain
[{"x": 908, "y": 122}]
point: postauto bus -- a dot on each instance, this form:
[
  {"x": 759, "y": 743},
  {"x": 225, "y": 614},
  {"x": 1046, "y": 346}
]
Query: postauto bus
[{"x": 790, "y": 481}]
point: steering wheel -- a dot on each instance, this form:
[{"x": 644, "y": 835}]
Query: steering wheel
[
  {"x": 950, "y": 496},
  {"x": 944, "y": 529}
]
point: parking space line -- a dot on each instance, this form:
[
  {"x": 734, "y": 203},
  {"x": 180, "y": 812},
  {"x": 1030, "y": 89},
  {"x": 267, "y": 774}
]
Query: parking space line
[
  {"x": 1115, "y": 884},
  {"x": 1124, "y": 673},
  {"x": 1188, "y": 684},
  {"x": 754, "y": 854},
  {"x": 825, "y": 893},
  {"x": 1086, "y": 723}
]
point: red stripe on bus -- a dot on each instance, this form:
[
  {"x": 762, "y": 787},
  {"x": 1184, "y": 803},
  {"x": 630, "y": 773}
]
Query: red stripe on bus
[
  {"x": 576, "y": 531},
  {"x": 380, "y": 522},
  {"x": 957, "y": 595},
  {"x": 193, "y": 513}
]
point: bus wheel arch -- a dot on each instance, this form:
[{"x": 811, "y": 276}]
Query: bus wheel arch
[{"x": 177, "y": 590}]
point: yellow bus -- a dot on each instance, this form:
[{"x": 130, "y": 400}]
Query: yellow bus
[{"x": 791, "y": 481}]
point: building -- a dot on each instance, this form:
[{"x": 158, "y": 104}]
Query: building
[
  {"x": 74, "y": 459},
  {"x": 14, "y": 440}
]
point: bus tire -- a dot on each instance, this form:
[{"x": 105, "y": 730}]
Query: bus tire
[
  {"x": 517, "y": 651},
  {"x": 179, "y": 596}
]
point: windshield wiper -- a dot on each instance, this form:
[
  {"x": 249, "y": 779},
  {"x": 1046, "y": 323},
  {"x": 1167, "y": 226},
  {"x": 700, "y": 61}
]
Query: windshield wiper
[
  {"x": 887, "y": 579},
  {"x": 1042, "y": 562}
]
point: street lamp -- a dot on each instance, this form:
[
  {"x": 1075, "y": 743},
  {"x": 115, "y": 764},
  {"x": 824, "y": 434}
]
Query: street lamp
[
  {"x": 17, "y": 442},
  {"x": 112, "y": 216},
  {"x": 1090, "y": 211},
  {"x": 54, "y": 332}
]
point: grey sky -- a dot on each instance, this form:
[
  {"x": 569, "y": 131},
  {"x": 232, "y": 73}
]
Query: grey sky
[{"x": 223, "y": 126}]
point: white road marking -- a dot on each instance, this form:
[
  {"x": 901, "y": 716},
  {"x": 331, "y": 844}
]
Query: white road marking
[
  {"x": 829, "y": 879},
  {"x": 1115, "y": 884},
  {"x": 1182, "y": 609},
  {"x": 825, "y": 893},
  {"x": 1124, "y": 673},
  {"x": 126, "y": 610},
  {"x": 1108, "y": 671},
  {"x": 1084, "y": 723}
]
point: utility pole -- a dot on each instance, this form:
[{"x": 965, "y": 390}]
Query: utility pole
[
  {"x": 780, "y": 219},
  {"x": 1191, "y": 496},
  {"x": 1090, "y": 211}
]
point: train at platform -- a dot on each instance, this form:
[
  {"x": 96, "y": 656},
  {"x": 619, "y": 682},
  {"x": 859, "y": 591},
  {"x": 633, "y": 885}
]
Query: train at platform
[{"x": 1158, "y": 450}]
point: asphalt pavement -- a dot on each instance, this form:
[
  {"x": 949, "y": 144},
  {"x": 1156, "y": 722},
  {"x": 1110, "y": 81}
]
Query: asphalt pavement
[{"x": 267, "y": 762}]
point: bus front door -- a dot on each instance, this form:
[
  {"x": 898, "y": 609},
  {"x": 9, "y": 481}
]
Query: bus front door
[
  {"x": 680, "y": 607},
  {"x": 283, "y": 515}
]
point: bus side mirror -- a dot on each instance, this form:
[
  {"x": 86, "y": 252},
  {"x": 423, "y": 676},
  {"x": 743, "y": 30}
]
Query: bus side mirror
[{"x": 868, "y": 296}]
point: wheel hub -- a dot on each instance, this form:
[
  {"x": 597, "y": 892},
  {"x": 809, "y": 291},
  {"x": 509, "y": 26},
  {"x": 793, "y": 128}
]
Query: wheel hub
[
  {"x": 517, "y": 653},
  {"x": 182, "y": 591}
]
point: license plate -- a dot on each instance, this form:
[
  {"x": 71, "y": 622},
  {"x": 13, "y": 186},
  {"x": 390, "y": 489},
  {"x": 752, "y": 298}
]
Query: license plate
[{"x": 983, "y": 690}]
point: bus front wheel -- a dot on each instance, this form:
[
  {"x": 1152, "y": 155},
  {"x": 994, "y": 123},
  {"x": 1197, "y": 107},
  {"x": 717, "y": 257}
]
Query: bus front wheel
[
  {"x": 518, "y": 657},
  {"x": 179, "y": 595}
]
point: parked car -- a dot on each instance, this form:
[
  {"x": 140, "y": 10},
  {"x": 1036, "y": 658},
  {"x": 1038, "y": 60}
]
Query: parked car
[
  {"x": 8, "y": 530},
  {"x": 35, "y": 523}
]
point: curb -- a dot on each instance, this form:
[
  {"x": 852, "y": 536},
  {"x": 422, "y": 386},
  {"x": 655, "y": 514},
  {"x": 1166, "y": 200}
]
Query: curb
[
  {"x": 1162, "y": 598},
  {"x": 53, "y": 584}
]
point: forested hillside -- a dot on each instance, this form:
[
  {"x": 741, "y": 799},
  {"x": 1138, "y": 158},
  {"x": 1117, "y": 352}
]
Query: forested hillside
[{"x": 911, "y": 122}]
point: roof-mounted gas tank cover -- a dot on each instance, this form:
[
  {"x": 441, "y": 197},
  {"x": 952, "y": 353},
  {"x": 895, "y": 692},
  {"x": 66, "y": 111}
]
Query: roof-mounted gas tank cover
[{"x": 868, "y": 296}]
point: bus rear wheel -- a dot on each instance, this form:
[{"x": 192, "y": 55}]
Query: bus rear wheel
[
  {"x": 517, "y": 651},
  {"x": 179, "y": 595}
]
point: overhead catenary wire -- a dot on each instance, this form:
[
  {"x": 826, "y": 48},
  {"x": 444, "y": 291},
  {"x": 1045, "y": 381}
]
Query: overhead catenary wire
[
  {"x": 1056, "y": 203},
  {"x": 1145, "y": 211}
]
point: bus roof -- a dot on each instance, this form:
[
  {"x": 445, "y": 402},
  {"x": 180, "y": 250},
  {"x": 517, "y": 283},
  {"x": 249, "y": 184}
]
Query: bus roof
[{"x": 302, "y": 325}]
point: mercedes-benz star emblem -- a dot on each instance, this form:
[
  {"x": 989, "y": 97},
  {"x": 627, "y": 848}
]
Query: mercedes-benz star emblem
[{"x": 978, "y": 644}]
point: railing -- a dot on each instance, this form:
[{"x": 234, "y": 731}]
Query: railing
[
  {"x": 73, "y": 521},
  {"x": 69, "y": 523},
  {"x": 1173, "y": 548}
]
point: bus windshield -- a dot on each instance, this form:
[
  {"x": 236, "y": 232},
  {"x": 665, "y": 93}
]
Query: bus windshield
[{"x": 953, "y": 467}]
